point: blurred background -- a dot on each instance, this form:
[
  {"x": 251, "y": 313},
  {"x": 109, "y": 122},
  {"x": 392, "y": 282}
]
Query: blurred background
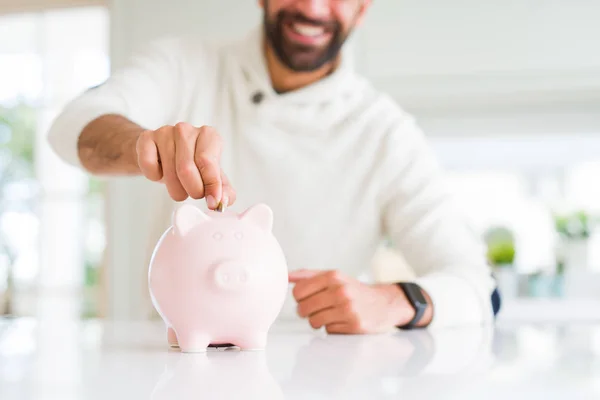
[{"x": 507, "y": 92}]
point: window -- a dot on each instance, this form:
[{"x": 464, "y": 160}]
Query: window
[
  {"x": 519, "y": 182},
  {"x": 51, "y": 222}
]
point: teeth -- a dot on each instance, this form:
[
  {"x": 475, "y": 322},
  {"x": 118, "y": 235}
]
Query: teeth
[{"x": 308, "y": 30}]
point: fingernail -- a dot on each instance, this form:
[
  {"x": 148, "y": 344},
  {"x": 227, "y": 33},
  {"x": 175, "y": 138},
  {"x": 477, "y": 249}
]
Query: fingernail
[
  {"x": 211, "y": 202},
  {"x": 225, "y": 200}
]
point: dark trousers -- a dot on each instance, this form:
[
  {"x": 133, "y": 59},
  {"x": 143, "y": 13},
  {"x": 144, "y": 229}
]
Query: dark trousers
[{"x": 496, "y": 301}]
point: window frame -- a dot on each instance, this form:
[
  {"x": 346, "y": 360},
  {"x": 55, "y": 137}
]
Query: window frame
[{"x": 32, "y": 6}]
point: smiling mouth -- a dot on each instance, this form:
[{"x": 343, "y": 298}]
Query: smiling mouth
[
  {"x": 307, "y": 29},
  {"x": 307, "y": 34}
]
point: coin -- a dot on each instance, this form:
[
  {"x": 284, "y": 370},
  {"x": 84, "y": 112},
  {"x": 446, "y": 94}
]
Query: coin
[{"x": 222, "y": 205}]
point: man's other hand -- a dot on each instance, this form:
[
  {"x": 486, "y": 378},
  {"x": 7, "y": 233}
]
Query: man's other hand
[
  {"x": 187, "y": 160},
  {"x": 342, "y": 304}
]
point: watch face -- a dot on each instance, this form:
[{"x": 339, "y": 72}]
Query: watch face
[{"x": 414, "y": 294}]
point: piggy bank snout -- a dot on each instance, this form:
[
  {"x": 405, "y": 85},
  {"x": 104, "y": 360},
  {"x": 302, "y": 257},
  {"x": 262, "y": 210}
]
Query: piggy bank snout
[{"x": 232, "y": 275}]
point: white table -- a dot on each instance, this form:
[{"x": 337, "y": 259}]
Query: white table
[{"x": 51, "y": 359}]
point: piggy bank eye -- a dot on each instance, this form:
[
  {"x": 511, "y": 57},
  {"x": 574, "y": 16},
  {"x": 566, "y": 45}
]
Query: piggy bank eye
[
  {"x": 238, "y": 235},
  {"x": 217, "y": 236}
]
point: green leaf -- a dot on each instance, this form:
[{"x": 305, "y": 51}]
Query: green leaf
[{"x": 19, "y": 123}]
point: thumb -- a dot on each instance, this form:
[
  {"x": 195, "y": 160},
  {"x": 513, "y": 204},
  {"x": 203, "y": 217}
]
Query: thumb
[{"x": 298, "y": 275}]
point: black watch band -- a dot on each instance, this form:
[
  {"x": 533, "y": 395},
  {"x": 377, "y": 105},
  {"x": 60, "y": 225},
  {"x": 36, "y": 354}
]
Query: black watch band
[{"x": 415, "y": 297}]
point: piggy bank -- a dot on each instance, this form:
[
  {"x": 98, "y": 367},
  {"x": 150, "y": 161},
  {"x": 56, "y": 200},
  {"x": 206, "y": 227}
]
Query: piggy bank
[{"x": 218, "y": 278}]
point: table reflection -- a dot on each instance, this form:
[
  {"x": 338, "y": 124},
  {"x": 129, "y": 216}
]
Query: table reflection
[
  {"x": 381, "y": 366},
  {"x": 328, "y": 366},
  {"x": 52, "y": 359},
  {"x": 220, "y": 374}
]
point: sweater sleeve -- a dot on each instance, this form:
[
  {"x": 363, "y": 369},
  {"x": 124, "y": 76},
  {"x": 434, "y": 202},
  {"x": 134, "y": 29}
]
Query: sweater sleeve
[
  {"x": 426, "y": 225},
  {"x": 144, "y": 90}
]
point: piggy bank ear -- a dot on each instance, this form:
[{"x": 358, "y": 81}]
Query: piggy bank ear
[
  {"x": 187, "y": 217},
  {"x": 260, "y": 215}
]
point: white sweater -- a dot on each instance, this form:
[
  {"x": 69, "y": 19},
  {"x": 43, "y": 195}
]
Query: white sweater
[{"x": 340, "y": 164}]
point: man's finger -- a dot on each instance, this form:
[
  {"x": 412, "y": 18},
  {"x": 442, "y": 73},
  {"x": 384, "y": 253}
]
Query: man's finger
[
  {"x": 207, "y": 159},
  {"x": 228, "y": 191},
  {"x": 326, "y": 317},
  {"x": 310, "y": 286},
  {"x": 147, "y": 154},
  {"x": 339, "y": 327},
  {"x": 185, "y": 166},
  {"x": 166, "y": 152},
  {"x": 326, "y": 299},
  {"x": 296, "y": 276}
]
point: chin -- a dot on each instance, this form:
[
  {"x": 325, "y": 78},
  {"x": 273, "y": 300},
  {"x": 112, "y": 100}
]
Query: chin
[{"x": 305, "y": 62}]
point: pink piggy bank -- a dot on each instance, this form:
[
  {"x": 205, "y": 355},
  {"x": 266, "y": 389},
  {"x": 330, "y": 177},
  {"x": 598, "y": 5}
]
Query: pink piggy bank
[{"x": 218, "y": 278}]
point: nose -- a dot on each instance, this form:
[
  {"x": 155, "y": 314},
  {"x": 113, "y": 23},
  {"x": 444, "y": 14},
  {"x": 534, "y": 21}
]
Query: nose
[
  {"x": 315, "y": 9},
  {"x": 231, "y": 276}
]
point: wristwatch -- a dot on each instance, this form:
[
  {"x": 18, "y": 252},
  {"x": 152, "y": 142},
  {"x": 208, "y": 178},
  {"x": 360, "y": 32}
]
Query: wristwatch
[{"x": 415, "y": 297}]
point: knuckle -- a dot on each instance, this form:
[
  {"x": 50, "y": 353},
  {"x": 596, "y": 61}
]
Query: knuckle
[
  {"x": 162, "y": 139},
  {"x": 181, "y": 130},
  {"x": 143, "y": 140},
  {"x": 186, "y": 169},
  {"x": 335, "y": 276},
  {"x": 182, "y": 126},
  {"x": 204, "y": 160},
  {"x": 209, "y": 132},
  {"x": 296, "y": 292},
  {"x": 342, "y": 292},
  {"x": 162, "y": 131},
  {"x": 146, "y": 135},
  {"x": 206, "y": 130}
]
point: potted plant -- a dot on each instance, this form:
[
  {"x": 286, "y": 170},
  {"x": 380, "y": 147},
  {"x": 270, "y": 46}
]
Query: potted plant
[
  {"x": 501, "y": 252},
  {"x": 574, "y": 230}
]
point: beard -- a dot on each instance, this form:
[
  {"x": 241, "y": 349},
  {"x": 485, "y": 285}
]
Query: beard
[{"x": 298, "y": 57}]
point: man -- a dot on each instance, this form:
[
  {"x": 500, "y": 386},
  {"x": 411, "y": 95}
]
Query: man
[{"x": 282, "y": 117}]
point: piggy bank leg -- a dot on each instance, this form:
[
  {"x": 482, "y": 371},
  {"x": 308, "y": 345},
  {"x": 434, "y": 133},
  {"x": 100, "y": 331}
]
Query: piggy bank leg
[
  {"x": 252, "y": 341},
  {"x": 172, "y": 338},
  {"x": 193, "y": 341}
]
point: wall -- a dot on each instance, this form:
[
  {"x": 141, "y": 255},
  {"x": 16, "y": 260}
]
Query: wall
[
  {"x": 465, "y": 67},
  {"x": 449, "y": 54},
  {"x": 19, "y": 6},
  {"x": 137, "y": 21}
]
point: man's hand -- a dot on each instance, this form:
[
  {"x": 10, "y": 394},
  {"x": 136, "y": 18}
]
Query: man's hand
[
  {"x": 344, "y": 305},
  {"x": 187, "y": 160}
]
